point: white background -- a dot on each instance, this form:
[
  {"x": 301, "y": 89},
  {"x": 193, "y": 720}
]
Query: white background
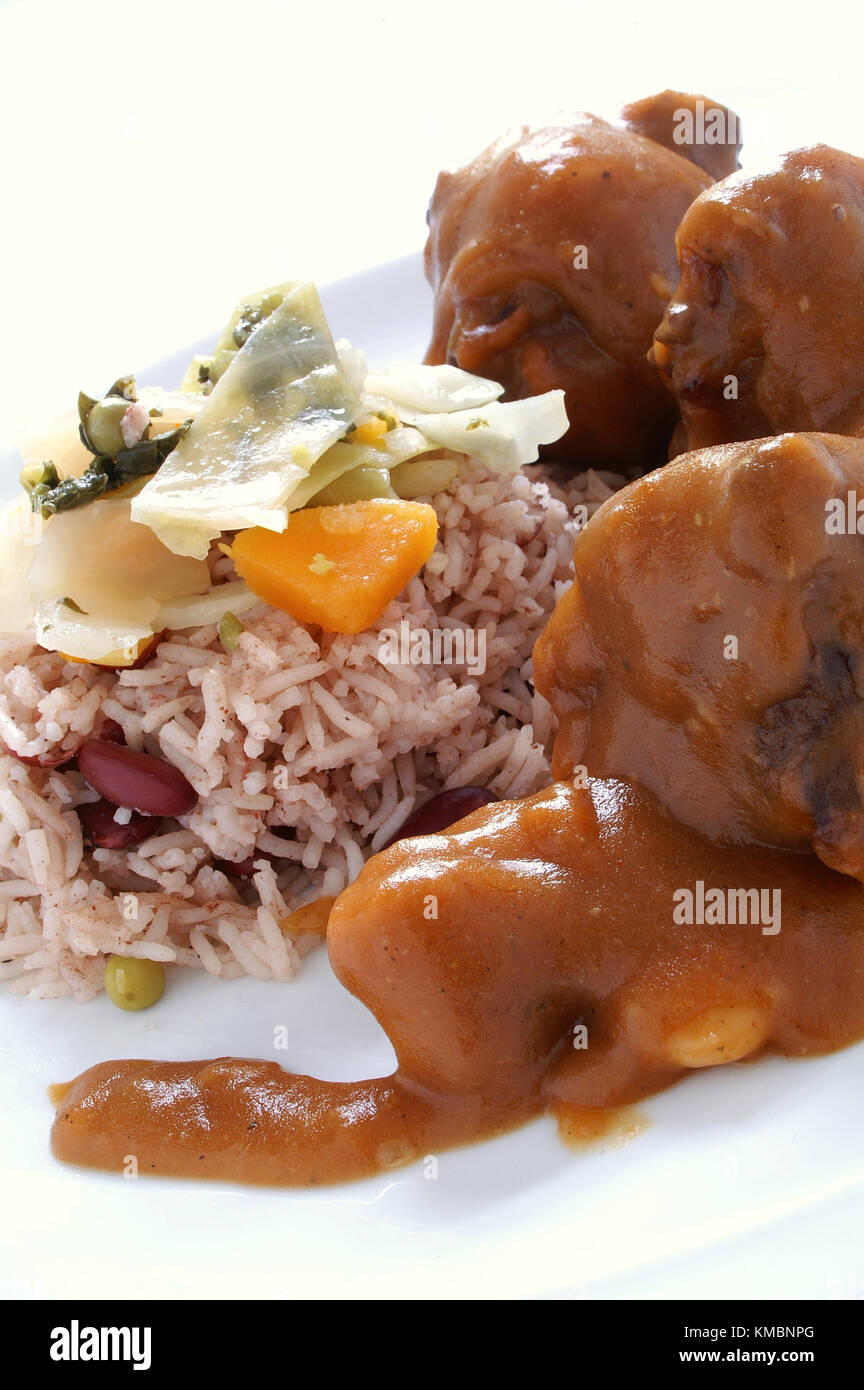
[
  {"x": 157, "y": 162},
  {"x": 161, "y": 159}
]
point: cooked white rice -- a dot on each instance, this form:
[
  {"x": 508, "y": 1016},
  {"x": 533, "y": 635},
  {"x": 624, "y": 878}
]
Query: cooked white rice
[{"x": 292, "y": 729}]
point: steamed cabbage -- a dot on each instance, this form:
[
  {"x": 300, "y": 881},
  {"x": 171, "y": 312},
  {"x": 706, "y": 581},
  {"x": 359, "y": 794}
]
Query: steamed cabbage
[
  {"x": 431, "y": 389},
  {"x": 503, "y": 434},
  {"x": 107, "y": 564},
  {"x": 282, "y": 402},
  {"x": 291, "y": 420},
  {"x": 89, "y": 637},
  {"x": 98, "y": 582}
]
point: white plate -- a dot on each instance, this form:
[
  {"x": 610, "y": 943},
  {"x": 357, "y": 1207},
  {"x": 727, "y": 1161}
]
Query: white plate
[{"x": 748, "y": 1181}]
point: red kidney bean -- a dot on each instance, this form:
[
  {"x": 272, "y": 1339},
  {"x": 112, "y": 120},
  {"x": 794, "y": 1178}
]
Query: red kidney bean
[
  {"x": 110, "y": 731},
  {"x": 137, "y": 780},
  {"x": 55, "y": 758},
  {"x": 241, "y": 868},
  {"x": 442, "y": 811},
  {"x": 104, "y": 832}
]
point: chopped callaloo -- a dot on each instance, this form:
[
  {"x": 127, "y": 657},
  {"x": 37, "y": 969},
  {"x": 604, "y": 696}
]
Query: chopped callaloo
[
  {"x": 60, "y": 442},
  {"x": 250, "y": 314},
  {"x": 107, "y": 475},
  {"x": 280, "y": 405},
  {"x": 116, "y": 431},
  {"x": 70, "y": 493},
  {"x": 35, "y": 475}
]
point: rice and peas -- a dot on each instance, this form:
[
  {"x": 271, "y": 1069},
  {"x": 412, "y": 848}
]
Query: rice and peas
[{"x": 307, "y": 750}]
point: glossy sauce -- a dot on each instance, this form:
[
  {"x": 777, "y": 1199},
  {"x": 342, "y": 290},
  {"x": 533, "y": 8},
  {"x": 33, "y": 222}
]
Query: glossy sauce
[
  {"x": 514, "y": 301},
  {"x": 552, "y": 913},
  {"x": 770, "y": 295},
  {"x": 760, "y": 745}
]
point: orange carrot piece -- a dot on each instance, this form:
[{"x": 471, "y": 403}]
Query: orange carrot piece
[{"x": 338, "y": 567}]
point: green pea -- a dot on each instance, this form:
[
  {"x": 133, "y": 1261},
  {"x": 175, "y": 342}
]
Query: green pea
[
  {"x": 133, "y": 984},
  {"x": 230, "y": 628},
  {"x": 103, "y": 425},
  {"x": 35, "y": 475},
  {"x": 220, "y": 362}
]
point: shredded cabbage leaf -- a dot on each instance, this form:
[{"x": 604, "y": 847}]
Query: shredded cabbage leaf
[
  {"x": 103, "y": 636},
  {"x": 85, "y": 636},
  {"x": 19, "y": 536},
  {"x": 503, "y": 434},
  {"x": 108, "y": 565},
  {"x": 283, "y": 401},
  {"x": 275, "y": 432},
  {"x": 431, "y": 389},
  {"x": 200, "y": 610}
]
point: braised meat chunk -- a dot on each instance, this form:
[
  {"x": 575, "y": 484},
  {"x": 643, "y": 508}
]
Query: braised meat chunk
[
  {"x": 552, "y": 258},
  {"x": 712, "y": 645},
  {"x": 764, "y": 331},
  {"x": 700, "y": 129}
]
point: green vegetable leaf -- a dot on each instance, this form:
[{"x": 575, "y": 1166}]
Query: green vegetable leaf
[
  {"x": 280, "y": 405},
  {"x": 106, "y": 474}
]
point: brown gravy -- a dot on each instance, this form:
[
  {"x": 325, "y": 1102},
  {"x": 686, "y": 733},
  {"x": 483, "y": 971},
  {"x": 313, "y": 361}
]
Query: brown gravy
[
  {"x": 486, "y": 953},
  {"x": 516, "y": 301},
  {"x": 757, "y": 744},
  {"x": 581, "y": 1128}
]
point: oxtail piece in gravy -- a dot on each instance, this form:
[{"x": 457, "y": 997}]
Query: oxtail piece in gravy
[
  {"x": 492, "y": 955},
  {"x": 711, "y": 647},
  {"x": 763, "y": 333},
  {"x": 690, "y": 125},
  {"x": 552, "y": 257}
]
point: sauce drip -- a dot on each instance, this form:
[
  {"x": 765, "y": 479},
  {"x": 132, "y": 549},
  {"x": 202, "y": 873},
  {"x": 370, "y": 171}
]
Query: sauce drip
[{"x": 580, "y": 1128}]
